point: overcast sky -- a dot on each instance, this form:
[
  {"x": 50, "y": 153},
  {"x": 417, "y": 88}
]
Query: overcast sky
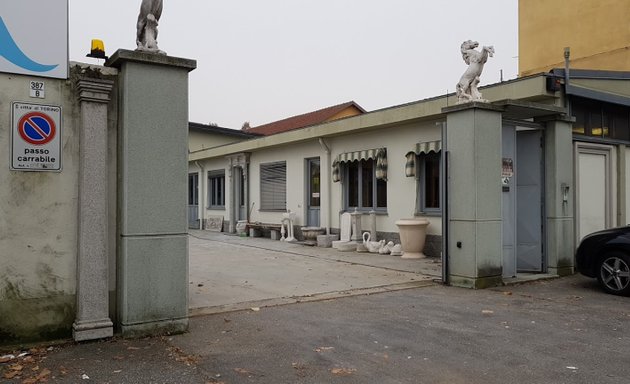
[{"x": 265, "y": 60}]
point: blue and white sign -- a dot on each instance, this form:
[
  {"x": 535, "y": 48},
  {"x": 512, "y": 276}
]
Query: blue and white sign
[
  {"x": 35, "y": 137},
  {"x": 34, "y": 37}
]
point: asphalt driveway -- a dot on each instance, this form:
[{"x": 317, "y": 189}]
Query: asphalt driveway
[{"x": 557, "y": 331}]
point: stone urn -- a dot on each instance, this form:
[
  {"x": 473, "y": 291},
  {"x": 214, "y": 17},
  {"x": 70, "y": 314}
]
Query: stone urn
[
  {"x": 310, "y": 234},
  {"x": 413, "y": 233}
]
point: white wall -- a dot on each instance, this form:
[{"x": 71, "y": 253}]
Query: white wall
[
  {"x": 401, "y": 190},
  {"x": 209, "y": 165},
  {"x": 39, "y": 220},
  {"x": 295, "y": 157}
]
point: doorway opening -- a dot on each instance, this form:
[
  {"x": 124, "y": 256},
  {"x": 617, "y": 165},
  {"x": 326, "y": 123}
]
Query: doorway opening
[{"x": 523, "y": 201}]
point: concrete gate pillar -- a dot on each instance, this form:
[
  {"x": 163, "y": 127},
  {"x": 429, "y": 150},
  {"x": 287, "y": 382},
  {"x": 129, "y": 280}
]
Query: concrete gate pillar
[
  {"x": 92, "y": 321},
  {"x": 559, "y": 192},
  {"x": 474, "y": 183},
  {"x": 152, "y": 185}
]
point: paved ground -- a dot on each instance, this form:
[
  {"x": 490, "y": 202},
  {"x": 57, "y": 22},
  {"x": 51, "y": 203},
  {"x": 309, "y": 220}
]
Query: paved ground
[
  {"x": 557, "y": 331},
  {"x": 230, "y": 273},
  {"x": 354, "y": 319}
]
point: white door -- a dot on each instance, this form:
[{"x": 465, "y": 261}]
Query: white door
[{"x": 594, "y": 181}]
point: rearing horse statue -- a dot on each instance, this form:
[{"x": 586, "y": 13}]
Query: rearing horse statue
[
  {"x": 146, "y": 37},
  {"x": 467, "y": 87}
]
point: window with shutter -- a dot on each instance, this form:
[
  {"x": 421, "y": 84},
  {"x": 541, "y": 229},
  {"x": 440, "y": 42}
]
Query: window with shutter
[{"x": 273, "y": 186}]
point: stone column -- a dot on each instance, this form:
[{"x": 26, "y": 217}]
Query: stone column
[
  {"x": 474, "y": 184},
  {"x": 231, "y": 213},
  {"x": 558, "y": 174},
  {"x": 92, "y": 321},
  {"x": 245, "y": 169},
  {"x": 153, "y": 169}
]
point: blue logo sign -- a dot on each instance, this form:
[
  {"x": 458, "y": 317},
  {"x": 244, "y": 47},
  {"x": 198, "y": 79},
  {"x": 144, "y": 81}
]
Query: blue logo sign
[{"x": 12, "y": 52}]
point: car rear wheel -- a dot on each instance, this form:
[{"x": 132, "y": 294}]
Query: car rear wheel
[{"x": 614, "y": 273}]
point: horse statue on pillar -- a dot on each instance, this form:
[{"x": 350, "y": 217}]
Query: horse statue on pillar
[
  {"x": 147, "y": 31},
  {"x": 467, "y": 90}
]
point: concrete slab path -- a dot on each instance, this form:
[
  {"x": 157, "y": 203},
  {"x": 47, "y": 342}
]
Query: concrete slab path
[{"x": 231, "y": 273}]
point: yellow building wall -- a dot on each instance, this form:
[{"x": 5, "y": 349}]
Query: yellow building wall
[
  {"x": 597, "y": 31},
  {"x": 348, "y": 112}
]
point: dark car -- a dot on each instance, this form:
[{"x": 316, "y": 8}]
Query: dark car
[{"x": 606, "y": 256}]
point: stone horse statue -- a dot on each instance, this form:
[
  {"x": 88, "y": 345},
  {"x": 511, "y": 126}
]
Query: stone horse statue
[
  {"x": 467, "y": 87},
  {"x": 147, "y": 31}
]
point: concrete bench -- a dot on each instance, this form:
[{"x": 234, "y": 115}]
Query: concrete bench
[{"x": 256, "y": 228}]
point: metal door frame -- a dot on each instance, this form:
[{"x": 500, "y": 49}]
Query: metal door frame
[
  {"x": 195, "y": 177},
  {"x": 308, "y": 191}
]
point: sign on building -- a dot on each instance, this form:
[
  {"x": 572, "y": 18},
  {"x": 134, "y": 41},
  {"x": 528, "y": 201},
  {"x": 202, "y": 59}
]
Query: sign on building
[
  {"x": 34, "y": 37},
  {"x": 35, "y": 137}
]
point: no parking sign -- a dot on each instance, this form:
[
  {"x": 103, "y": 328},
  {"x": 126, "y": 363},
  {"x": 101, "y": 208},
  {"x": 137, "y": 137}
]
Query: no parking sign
[{"x": 35, "y": 137}]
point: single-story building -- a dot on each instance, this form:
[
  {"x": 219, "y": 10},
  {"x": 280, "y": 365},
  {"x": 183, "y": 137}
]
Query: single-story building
[{"x": 507, "y": 185}]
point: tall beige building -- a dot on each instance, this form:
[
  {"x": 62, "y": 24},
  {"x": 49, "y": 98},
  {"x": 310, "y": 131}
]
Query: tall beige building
[{"x": 597, "y": 31}]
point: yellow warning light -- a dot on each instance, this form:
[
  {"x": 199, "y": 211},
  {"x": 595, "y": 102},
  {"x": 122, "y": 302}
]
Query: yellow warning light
[{"x": 98, "y": 49}]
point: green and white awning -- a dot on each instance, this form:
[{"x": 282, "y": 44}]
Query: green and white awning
[
  {"x": 420, "y": 149},
  {"x": 428, "y": 147}
]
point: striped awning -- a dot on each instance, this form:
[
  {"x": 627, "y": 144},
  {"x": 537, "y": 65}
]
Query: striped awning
[
  {"x": 378, "y": 154},
  {"x": 365, "y": 154},
  {"x": 420, "y": 149},
  {"x": 428, "y": 147}
]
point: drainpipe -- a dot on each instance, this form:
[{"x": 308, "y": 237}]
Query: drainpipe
[
  {"x": 444, "y": 198},
  {"x": 326, "y": 149},
  {"x": 567, "y": 59},
  {"x": 201, "y": 195}
]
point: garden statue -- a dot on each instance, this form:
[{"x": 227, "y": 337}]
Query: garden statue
[
  {"x": 147, "y": 27},
  {"x": 467, "y": 87}
]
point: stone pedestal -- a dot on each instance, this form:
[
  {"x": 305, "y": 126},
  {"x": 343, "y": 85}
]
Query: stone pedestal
[
  {"x": 474, "y": 185},
  {"x": 153, "y": 167},
  {"x": 92, "y": 321},
  {"x": 326, "y": 241},
  {"x": 356, "y": 236}
]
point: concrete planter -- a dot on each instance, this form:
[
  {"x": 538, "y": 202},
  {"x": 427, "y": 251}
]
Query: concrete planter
[
  {"x": 413, "y": 233},
  {"x": 310, "y": 234}
]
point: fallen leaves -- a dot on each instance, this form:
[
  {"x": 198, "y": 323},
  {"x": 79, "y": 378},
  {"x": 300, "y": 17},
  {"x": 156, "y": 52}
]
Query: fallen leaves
[
  {"x": 24, "y": 366},
  {"x": 6, "y": 358},
  {"x": 40, "y": 378},
  {"x": 182, "y": 357},
  {"x": 11, "y": 374},
  {"x": 300, "y": 369},
  {"x": 323, "y": 349},
  {"x": 242, "y": 371},
  {"x": 343, "y": 371}
]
